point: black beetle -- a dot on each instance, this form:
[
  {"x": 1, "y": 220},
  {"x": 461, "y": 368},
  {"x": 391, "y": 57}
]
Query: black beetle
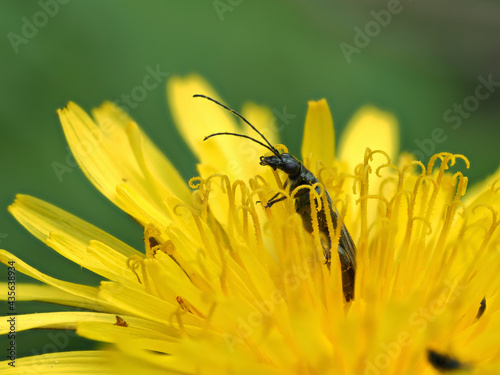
[{"x": 298, "y": 176}]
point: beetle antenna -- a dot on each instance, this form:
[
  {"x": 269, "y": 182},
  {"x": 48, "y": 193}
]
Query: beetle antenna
[
  {"x": 242, "y": 136},
  {"x": 270, "y": 147}
]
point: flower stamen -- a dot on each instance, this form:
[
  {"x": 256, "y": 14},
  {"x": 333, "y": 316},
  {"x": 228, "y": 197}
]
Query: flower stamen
[{"x": 133, "y": 263}]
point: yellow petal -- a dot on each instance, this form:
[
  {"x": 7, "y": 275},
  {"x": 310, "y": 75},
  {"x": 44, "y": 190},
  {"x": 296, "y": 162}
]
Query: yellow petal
[
  {"x": 67, "y": 234},
  {"x": 246, "y": 158},
  {"x": 197, "y": 118},
  {"x": 264, "y": 120},
  {"x": 55, "y": 320},
  {"x": 481, "y": 187},
  {"x": 83, "y": 291},
  {"x": 142, "y": 304},
  {"x": 157, "y": 169},
  {"x": 113, "y": 265},
  {"x": 105, "y": 161},
  {"x": 48, "y": 293},
  {"x": 159, "y": 166},
  {"x": 369, "y": 127},
  {"x": 140, "y": 207},
  {"x": 96, "y": 152},
  {"x": 112, "y": 333},
  {"x": 96, "y": 362},
  {"x": 311, "y": 340},
  {"x": 318, "y": 144},
  {"x": 129, "y": 360}
]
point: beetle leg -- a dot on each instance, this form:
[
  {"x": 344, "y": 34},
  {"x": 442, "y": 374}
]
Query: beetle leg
[
  {"x": 274, "y": 200},
  {"x": 325, "y": 244},
  {"x": 348, "y": 274}
]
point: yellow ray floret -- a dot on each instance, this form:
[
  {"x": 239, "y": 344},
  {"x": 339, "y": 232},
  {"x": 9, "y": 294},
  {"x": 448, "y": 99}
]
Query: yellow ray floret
[{"x": 228, "y": 283}]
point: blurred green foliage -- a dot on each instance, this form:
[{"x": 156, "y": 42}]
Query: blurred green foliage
[{"x": 421, "y": 59}]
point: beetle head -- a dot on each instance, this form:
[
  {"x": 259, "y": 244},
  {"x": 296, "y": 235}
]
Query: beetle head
[{"x": 285, "y": 162}]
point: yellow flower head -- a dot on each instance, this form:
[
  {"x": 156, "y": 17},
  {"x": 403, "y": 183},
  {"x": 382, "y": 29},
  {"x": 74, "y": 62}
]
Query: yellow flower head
[{"x": 231, "y": 283}]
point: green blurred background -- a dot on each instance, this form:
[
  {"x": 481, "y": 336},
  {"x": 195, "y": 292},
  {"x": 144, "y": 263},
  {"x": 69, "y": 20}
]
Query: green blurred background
[{"x": 418, "y": 64}]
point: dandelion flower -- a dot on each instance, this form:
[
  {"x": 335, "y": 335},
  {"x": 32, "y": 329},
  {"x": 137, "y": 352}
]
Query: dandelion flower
[{"x": 225, "y": 285}]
